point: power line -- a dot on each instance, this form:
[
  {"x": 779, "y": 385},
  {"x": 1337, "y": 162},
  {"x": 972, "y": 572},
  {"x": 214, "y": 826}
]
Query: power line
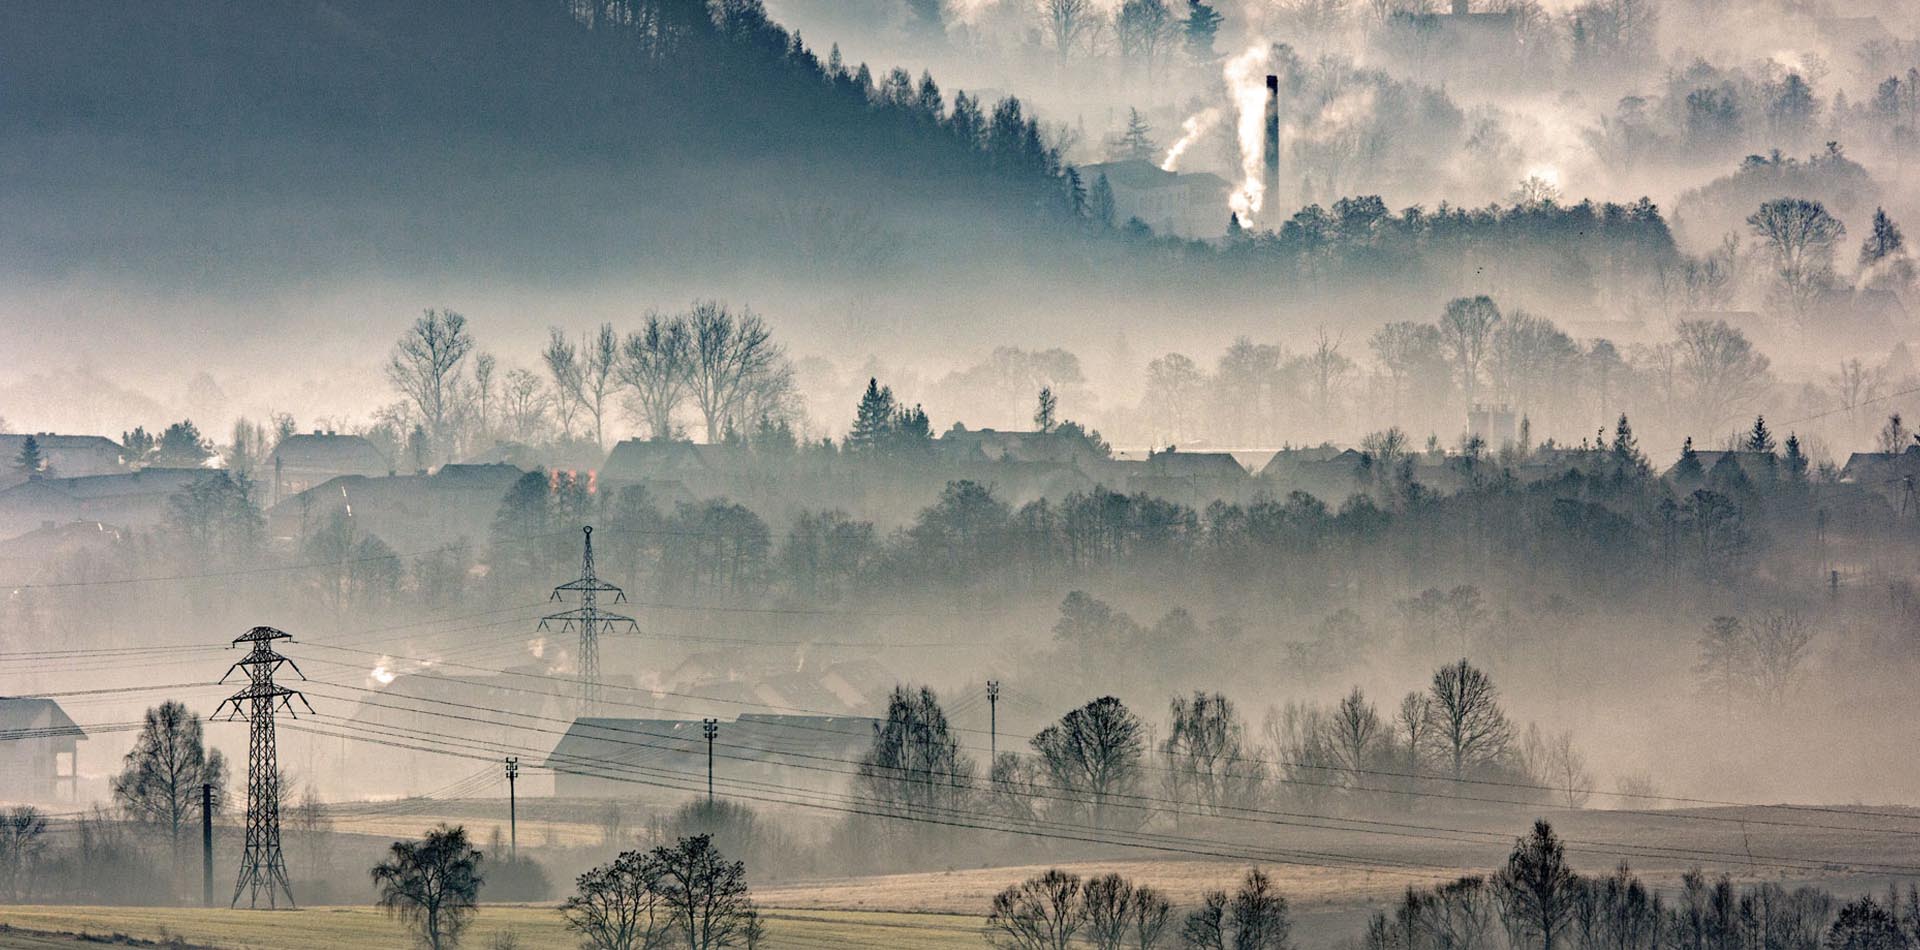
[
  {"x": 1417, "y": 776},
  {"x": 1259, "y": 815}
]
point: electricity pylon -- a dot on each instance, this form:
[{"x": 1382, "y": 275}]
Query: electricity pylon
[
  {"x": 262, "y": 867},
  {"x": 589, "y": 619}
]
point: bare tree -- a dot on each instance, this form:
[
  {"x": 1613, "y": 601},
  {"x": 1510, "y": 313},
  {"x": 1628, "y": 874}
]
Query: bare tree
[
  {"x": 1778, "y": 648},
  {"x": 583, "y": 376},
  {"x": 484, "y": 366},
  {"x": 1721, "y": 371},
  {"x": 1466, "y": 330},
  {"x": 706, "y": 894},
  {"x": 1093, "y": 755},
  {"x": 1107, "y": 911},
  {"x": 599, "y": 362},
  {"x": 23, "y": 832},
  {"x": 1144, "y": 28},
  {"x": 1801, "y": 236},
  {"x": 563, "y": 366},
  {"x": 1466, "y": 724},
  {"x": 617, "y": 906},
  {"x": 1256, "y": 917},
  {"x": 735, "y": 365},
  {"x": 523, "y": 406},
  {"x": 1567, "y": 771},
  {"x": 425, "y": 367},
  {"x": 1357, "y": 733},
  {"x": 160, "y": 781},
  {"x": 1067, "y": 21},
  {"x": 1174, "y": 388},
  {"x": 1207, "y": 755},
  {"x": 655, "y": 365},
  {"x": 1040, "y": 913}
]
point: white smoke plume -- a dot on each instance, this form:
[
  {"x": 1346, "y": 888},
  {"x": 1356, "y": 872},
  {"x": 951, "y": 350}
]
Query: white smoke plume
[
  {"x": 1196, "y": 125},
  {"x": 1245, "y": 75}
]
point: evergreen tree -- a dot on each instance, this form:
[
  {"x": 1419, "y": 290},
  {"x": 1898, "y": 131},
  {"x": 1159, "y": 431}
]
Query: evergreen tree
[
  {"x": 1796, "y": 460},
  {"x": 1134, "y": 142},
  {"x": 137, "y": 446},
  {"x": 1626, "y": 450},
  {"x": 1101, "y": 202},
  {"x": 873, "y": 420},
  {"x": 182, "y": 446},
  {"x": 1200, "y": 28},
  {"x": 1884, "y": 241},
  {"x": 30, "y": 462},
  {"x": 1076, "y": 193},
  {"x": 910, "y": 429},
  {"x": 1235, "y": 230},
  {"x": 1044, "y": 414},
  {"x": 1759, "y": 438},
  {"x": 1688, "y": 470}
]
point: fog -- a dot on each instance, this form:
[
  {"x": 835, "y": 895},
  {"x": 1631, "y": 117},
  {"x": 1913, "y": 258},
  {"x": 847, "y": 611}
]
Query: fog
[{"x": 951, "y": 388}]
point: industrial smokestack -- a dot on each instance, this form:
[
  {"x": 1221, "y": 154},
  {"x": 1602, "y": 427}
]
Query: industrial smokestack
[{"x": 1271, "y": 169}]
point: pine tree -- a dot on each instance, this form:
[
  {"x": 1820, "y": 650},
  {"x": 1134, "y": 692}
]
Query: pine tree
[
  {"x": 1102, "y": 202},
  {"x": 910, "y": 429},
  {"x": 1201, "y": 26},
  {"x": 1688, "y": 469},
  {"x": 1076, "y": 193},
  {"x": 1884, "y": 242},
  {"x": 1044, "y": 414},
  {"x": 30, "y": 462},
  {"x": 1796, "y": 460},
  {"x": 1235, "y": 230},
  {"x": 1134, "y": 143},
  {"x": 1625, "y": 448},
  {"x": 1759, "y": 438},
  {"x": 873, "y": 420}
]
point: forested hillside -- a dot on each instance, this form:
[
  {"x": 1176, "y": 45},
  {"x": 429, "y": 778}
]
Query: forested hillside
[{"x": 297, "y": 136}]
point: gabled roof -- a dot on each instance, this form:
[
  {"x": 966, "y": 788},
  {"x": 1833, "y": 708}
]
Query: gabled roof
[
  {"x": 147, "y": 481},
  {"x": 1867, "y": 467},
  {"x": 638, "y": 460},
  {"x": 11, "y": 442},
  {"x": 1174, "y": 463},
  {"x": 24, "y": 718},
  {"x": 326, "y": 451},
  {"x": 768, "y": 739}
]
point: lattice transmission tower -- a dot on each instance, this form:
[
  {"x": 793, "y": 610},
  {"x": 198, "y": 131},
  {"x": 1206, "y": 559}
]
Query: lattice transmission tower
[
  {"x": 262, "y": 867},
  {"x": 590, "y": 621}
]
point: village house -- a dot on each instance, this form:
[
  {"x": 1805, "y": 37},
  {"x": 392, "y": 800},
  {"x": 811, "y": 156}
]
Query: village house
[{"x": 36, "y": 739}]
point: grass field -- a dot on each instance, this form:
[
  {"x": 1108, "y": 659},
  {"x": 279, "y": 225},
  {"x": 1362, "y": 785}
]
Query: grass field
[
  {"x": 366, "y": 928},
  {"x": 1850, "y": 852}
]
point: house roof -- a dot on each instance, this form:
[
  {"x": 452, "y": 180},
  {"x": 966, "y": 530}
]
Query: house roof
[
  {"x": 26, "y": 717},
  {"x": 636, "y": 460},
  {"x": 340, "y": 454},
  {"x": 770, "y": 739},
  {"x": 48, "y": 441},
  {"x": 995, "y": 445},
  {"x": 1195, "y": 464},
  {"x": 147, "y": 481},
  {"x": 1881, "y": 466}
]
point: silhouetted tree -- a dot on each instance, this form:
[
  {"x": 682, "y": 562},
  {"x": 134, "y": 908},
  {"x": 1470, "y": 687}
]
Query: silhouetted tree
[
  {"x": 1093, "y": 755},
  {"x": 431, "y": 885},
  {"x": 1537, "y": 890}
]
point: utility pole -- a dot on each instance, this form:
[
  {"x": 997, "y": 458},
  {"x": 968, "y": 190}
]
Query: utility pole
[
  {"x": 263, "y": 869},
  {"x": 589, "y": 620},
  {"x": 993, "y": 723},
  {"x": 712, "y": 728},
  {"x": 206, "y": 845},
  {"x": 513, "y": 806}
]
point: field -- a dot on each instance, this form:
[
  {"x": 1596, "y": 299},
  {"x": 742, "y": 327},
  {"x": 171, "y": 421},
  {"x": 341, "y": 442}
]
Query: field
[
  {"x": 1849, "y": 851},
  {"x": 366, "y": 928}
]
